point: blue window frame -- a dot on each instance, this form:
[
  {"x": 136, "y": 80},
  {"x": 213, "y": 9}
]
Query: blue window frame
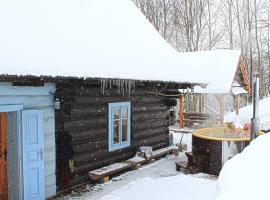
[{"x": 119, "y": 125}]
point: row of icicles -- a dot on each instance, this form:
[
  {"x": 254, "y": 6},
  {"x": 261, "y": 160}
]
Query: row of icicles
[{"x": 123, "y": 86}]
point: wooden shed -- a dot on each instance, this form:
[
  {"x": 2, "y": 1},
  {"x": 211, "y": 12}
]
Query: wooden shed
[{"x": 226, "y": 75}]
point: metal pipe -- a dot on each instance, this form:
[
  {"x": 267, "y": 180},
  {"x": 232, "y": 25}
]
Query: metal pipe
[{"x": 255, "y": 121}]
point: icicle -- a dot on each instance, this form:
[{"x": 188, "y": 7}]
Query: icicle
[
  {"x": 129, "y": 83},
  {"x": 123, "y": 87},
  {"x": 101, "y": 86}
]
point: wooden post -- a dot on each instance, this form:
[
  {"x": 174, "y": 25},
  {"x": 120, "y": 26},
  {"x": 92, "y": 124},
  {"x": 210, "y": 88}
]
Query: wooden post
[
  {"x": 181, "y": 111},
  {"x": 201, "y": 104},
  {"x": 237, "y": 104},
  {"x": 221, "y": 104}
]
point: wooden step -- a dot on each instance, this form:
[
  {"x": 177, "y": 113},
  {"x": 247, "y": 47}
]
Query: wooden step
[
  {"x": 181, "y": 166},
  {"x": 185, "y": 168},
  {"x": 190, "y": 158}
]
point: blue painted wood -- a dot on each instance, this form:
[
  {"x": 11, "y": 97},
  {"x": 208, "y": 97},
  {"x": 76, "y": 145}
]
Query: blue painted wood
[
  {"x": 28, "y": 101},
  {"x": 37, "y": 98},
  {"x": 5, "y": 84},
  {"x": 10, "y": 108},
  {"x": 27, "y": 90},
  {"x": 13, "y": 153},
  {"x": 33, "y": 158},
  {"x": 121, "y": 144}
]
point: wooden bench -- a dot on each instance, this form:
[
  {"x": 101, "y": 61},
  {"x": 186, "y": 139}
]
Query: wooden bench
[
  {"x": 136, "y": 161},
  {"x": 191, "y": 118},
  {"x": 103, "y": 173},
  {"x": 164, "y": 151}
]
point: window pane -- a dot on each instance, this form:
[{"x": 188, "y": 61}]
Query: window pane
[
  {"x": 116, "y": 113},
  {"x": 116, "y": 132},
  {"x": 124, "y": 113},
  {"x": 124, "y": 130}
]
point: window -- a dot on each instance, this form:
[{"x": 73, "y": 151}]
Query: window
[{"x": 119, "y": 125}]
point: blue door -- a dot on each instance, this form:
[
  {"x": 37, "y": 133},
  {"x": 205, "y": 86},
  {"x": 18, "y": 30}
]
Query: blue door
[{"x": 33, "y": 158}]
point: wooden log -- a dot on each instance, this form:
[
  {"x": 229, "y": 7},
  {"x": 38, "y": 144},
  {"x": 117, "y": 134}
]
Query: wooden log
[
  {"x": 84, "y": 168},
  {"x": 73, "y": 125}
]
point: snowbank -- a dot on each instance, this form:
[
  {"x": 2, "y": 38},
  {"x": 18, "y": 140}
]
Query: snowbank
[
  {"x": 246, "y": 176},
  {"x": 245, "y": 115},
  {"x": 175, "y": 187}
]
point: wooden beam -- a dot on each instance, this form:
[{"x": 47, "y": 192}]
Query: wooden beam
[
  {"x": 221, "y": 104},
  {"x": 237, "y": 104},
  {"x": 181, "y": 111},
  {"x": 201, "y": 103}
]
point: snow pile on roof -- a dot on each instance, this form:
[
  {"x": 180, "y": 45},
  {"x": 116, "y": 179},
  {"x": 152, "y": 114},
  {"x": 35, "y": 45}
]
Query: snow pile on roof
[
  {"x": 238, "y": 89},
  {"x": 246, "y": 176},
  {"x": 246, "y": 113},
  {"x": 96, "y": 38},
  {"x": 219, "y": 71},
  {"x": 175, "y": 187}
]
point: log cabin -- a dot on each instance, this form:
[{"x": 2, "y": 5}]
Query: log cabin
[{"x": 82, "y": 86}]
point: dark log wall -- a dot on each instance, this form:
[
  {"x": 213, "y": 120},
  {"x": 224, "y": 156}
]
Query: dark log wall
[{"x": 82, "y": 127}]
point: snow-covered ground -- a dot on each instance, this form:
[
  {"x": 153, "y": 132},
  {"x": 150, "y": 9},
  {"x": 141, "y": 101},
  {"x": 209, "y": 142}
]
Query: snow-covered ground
[
  {"x": 154, "y": 181},
  {"x": 245, "y": 115},
  {"x": 174, "y": 187},
  {"x": 158, "y": 180}
]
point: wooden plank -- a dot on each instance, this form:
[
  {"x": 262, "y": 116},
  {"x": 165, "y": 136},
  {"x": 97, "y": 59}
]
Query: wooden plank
[
  {"x": 163, "y": 151},
  {"x": 135, "y": 161},
  {"x": 28, "y": 101},
  {"x": 109, "y": 170},
  {"x": 3, "y": 157}
]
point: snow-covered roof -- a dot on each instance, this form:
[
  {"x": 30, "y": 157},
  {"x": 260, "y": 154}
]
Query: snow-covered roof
[
  {"x": 95, "y": 38},
  {"x": 238, "y": 89},
  {"x": 219, "y": 70}
]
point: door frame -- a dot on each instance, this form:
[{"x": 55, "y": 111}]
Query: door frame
[{"x": 16, "y": 108}]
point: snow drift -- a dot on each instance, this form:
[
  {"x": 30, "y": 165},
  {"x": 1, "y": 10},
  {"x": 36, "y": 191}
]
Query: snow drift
[
  {"x": 175, "y": 187},
  {"x": 245, "y": 115},
  {"x": 246, "y": 176}
]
